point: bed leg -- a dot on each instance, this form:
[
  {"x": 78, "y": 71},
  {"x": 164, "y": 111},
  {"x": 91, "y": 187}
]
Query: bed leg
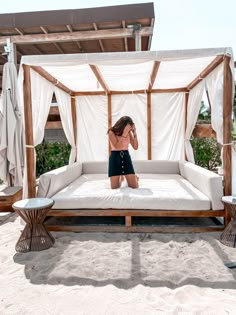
[{"x": 128, "y": 221}]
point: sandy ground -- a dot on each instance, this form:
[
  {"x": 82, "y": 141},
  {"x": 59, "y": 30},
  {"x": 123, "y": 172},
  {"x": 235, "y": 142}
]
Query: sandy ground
[{"x": 98, "y": 273}]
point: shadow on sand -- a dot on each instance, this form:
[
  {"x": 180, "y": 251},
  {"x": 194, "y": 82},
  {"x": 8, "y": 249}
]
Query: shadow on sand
[{"x": 127, "y": 260}]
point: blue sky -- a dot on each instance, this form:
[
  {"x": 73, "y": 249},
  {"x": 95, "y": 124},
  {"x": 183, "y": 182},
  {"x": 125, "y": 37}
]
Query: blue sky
[{"x": 179, "y": 24}]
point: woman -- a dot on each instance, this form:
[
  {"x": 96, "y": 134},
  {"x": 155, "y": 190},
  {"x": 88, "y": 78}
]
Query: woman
[{"x": 121, "y": 135}]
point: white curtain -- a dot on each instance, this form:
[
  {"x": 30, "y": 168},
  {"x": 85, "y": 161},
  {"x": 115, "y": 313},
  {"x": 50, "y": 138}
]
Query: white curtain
[
  {"x": 64, "y": 105},
  {"x": 214, "y": 83},
  {"x": 135, "y": 106},
  {"x": 168, "y": 126},
  {"x": 193, "y": 107},
  {"x": 41, "y": 95},
  {"x": 92, "y": 125}
]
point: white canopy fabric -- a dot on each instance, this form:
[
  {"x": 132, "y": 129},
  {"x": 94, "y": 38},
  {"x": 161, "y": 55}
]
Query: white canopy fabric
[
  {"x": 11, "y": 129},
  {"x": 132, "y": 71}
]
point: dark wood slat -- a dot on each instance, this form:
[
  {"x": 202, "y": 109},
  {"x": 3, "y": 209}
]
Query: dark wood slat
[
  {"x": 99, "y": 78},
  {"x": 135, "y": 212},
  {"x": 134, "y": 229},
  {"x": 206, "y": 71},
  {"x": 51, "y": 79},
  {"x": 76, "y": 36},
  {"x": 153, "y": 75}
]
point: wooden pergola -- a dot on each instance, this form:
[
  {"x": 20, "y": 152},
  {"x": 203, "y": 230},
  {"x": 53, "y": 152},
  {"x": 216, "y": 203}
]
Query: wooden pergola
[
  {"x": 227, "y": 119},
  {"x": 93, "y": 30}
]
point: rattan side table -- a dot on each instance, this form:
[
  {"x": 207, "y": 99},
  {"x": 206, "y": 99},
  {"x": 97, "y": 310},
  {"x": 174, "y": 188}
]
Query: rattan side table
[
  {"x": 228, "y": 237},
  {"x": 35, "y": 236}
]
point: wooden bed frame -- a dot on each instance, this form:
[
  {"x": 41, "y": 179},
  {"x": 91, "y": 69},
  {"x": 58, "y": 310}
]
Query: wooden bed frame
[{"x": 128, "y": 214}]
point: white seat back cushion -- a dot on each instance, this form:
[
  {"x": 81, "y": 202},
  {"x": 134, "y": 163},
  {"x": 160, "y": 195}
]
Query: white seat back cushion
[
  {"x": 206, "y": 181},
  {"x": 149, "y": 167},
  {"x": 52, "y": 182}
]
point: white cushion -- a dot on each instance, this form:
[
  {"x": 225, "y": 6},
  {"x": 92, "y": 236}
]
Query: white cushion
[
  {"x": 150, "y": 167},
  {"x": 53, "y": 181},
  {"x": 206, "y": 181},
  {"x": 157, "y": 191},
  {"x": 156, "y": 167}
]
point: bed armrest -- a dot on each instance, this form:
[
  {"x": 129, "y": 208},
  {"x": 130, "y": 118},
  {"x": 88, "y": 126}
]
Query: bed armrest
[
  {"x": 52, "y": 182},
  {"x": 204, "y": 180}
]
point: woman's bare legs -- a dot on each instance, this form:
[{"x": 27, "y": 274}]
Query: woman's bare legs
[
  {"x": 116, "y": 181},
  {"x": 132, "y": 180}
]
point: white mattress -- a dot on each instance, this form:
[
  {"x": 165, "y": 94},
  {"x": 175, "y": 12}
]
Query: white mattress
[{"x": 157, "y": 191}]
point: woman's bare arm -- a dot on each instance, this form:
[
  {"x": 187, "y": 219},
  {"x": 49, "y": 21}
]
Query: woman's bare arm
[
  {"x": 133, "y": 138},
  {"x": 112, "y": 138}
]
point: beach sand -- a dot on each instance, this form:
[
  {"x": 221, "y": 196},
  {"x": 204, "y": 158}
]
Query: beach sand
[{"x": 106, "y": 273}]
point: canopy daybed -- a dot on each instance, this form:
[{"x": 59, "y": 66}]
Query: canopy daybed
[{"x": 162, "y": 92}]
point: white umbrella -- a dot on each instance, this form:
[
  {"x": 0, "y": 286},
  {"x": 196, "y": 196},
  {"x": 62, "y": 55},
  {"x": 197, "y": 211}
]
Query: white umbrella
[{"x": 11, "y": 129}]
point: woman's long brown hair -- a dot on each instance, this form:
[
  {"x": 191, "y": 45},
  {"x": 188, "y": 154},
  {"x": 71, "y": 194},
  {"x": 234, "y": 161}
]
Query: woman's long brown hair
[{"x": 120, "y": 125}]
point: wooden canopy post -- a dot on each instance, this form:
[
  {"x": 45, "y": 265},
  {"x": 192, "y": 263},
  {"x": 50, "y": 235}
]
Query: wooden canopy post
[
  {"x": 185, "y": 119},
  {"x": 29, "y": 133},
  {"x": 152, "y": 79},
  {"x": 73, "y": 113},
  {"x": 227, "y": 127},
  {"x": 109, "y": 118},
  {"x": 149, "y": 125}
]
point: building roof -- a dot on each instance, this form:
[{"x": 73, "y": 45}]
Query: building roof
[{"x": 93, "y": 30}]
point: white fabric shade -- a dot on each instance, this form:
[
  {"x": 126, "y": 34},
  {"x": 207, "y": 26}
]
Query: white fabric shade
[
  {"x": 132, "y": 71},
  {"x": 11, "y": 129}
]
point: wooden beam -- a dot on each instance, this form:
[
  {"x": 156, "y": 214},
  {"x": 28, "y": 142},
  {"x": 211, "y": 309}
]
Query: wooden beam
[
  {"x": 55, "y": 44},
  {"x": 76, "y": 42},
  {"x": 51, "y": 79},
  {"x": 136, "y": 213},
  {"x": 134, "y": 229},
  {"x": 131, "y": 92},
  {"x": 227, "y": 127},
  {"x": 109, "y": 116},
  {"x": 99, "y": 78},
  {"x": 155, "y": 68},
  {"x": 149, "y": 125},
  {"x": 100, "y": 41},
  {"x": 73, "y": 114},
  {"x": 29, "y": 132},
  {"x": 19, "y": 31},
  {"x": 53, "y": 125},
  {"x": 77, "y": 36},
  {"x": 206, "y": 71},
  {"x": 89, "y": 93},
  {"x": 128, "y": 221}
]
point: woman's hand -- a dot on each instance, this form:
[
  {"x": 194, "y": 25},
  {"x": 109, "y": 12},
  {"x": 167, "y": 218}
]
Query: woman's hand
[{"x": 133, "y": 129}]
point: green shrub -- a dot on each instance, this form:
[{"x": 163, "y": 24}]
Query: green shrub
[
  {"x": 51, "y": 156},
  {"x": 206, "y": 152}
]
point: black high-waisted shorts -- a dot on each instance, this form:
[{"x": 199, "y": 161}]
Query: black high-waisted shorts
[{"x": 120, "y": 163}]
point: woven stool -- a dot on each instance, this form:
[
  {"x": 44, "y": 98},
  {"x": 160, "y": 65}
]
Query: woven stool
[
  {"x": 35, "y": 236},
  {"x": 228, "y": 237}
]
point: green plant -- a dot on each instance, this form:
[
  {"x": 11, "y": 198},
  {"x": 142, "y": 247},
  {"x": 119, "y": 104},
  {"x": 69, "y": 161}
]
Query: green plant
[
  {"x": 206, "y": 152},
  {"x": 51, "y": 156}
]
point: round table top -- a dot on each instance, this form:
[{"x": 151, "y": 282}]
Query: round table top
[
  {"x": 33, "y": 203},
  {"x": 229, "y": 199}
]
